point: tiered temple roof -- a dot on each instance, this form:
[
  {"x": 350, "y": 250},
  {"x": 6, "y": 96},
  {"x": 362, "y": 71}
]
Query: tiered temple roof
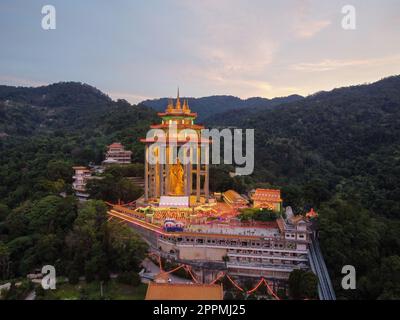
[
  {"x": 181, "y": 116},
  {"x": 271, "y": 195},
  {"x": 178, "y": 109},
  {"x": 232, "y": 197}
]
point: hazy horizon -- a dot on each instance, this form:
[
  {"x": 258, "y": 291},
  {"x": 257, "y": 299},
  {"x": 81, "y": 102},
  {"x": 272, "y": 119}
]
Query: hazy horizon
[{"x": 205, "y": 96}]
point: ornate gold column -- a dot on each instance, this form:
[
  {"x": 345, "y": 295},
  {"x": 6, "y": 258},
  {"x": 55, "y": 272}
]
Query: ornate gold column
[
  {"x": 198, "y": 185},
  {"x": 146, "y": 174},
  {"x": 167, "y": 170},
  {"x": 190, "y": 178},
  {"x": 188, "y": 171},
  {"x": 207, "y": 172},
  {"x": 161, "y": 172},
  {"x": 154, "y": 180}
]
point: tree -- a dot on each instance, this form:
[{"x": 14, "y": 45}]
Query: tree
[
  {"x": 4, "y": 261},
  {"x": 4, "y": 212},
  {"x": 127, "y": 191},
  {"x": 129, "y": 277},
  {"x": 17, "y": 221},
  {"x": 303, "y": 285},
  {"x": 59, "y": 170},
  {"x": 113, "y": 188},
  {"x": 349, "y": 236},
  {"x": 52, "y": 214},
  {"x": 257, "y": 214},
  {"x": 390, "y": 278},
  {"x": 102, "y": 247},
  {"x": 127, "y": 249},
  {"x": 315, "y": 192},
  {"x": 292, "y": 196}
]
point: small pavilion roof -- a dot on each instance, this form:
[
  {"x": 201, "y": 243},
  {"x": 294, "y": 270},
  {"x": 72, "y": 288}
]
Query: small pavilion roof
[{"x": 116, "y": 145}]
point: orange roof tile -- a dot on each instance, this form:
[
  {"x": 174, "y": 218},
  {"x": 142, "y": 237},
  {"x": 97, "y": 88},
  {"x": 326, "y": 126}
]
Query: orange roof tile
[
  {"x": 179, "y": 126},
  {"x": 183, "y": 291},
  {"x": 177, "y": 113},
  {"x": 80, "y": 168},
  {"x": 233, "y": 196},
  {"x": 267, "y": 195},
  {"x": 116, "y": 145}
]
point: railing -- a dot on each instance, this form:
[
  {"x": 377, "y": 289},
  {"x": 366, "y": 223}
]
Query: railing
[
  {"x": 266, "y": 256},
  {"x": 325, "y": 288},
  {"x": 264, "y": 266}
]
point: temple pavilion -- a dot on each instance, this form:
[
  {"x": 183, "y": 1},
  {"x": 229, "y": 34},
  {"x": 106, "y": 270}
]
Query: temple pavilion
[{"x": 166, "y": 177}]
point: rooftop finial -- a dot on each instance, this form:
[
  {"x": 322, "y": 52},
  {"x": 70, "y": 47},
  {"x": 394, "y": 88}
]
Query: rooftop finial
[
  {"x": 186, "y": 105},
  {"x": 170, "y": 105},
  {"x": 178, "y": 101}
]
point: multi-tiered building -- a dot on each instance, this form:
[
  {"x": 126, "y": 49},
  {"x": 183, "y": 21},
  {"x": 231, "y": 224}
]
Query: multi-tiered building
[
  {"x": 182, "y": 221},
  {"x": 271, "y": 250},
  {"x": 267, "y": 199},
  {"x": 81, "y": 177},
  {"x": 116, "y": 154}
]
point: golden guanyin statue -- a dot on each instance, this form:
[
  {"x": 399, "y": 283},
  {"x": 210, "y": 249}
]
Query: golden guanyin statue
[{"x": 176, "y": 179}]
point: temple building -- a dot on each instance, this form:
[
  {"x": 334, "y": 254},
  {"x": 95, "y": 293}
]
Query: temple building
[
  {"x": 116, "y": 154},
  {"x": 166, "y": 175},
  {"x": 81, "y": 176},
  {"x": 267, "y": 199},
  {"x": 184, "y": 223},
  {"x": 234, "y": 199}
]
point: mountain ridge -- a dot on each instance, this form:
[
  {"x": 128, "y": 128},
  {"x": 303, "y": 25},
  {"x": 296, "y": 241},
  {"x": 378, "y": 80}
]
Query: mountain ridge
[{"x": 207, "y": 107}]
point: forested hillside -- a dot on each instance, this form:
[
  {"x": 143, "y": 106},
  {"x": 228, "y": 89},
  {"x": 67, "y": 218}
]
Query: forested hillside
[
  {"x": 337, "y": 151},
  {"x": 43, "y": 133},
  {"x": 208, "y": 107}
]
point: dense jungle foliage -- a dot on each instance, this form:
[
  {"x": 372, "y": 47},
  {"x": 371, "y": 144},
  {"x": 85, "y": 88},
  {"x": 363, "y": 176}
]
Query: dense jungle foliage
[{"x": 337, "y": 152}]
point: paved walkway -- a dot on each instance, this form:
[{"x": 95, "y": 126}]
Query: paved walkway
[{"x": 153, "y": 269}]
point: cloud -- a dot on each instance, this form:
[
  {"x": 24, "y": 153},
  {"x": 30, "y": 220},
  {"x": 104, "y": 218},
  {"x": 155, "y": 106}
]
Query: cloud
[
  {"x": 131, "y": 97},
  {"x": 307, "y": 29},
  {"x": 331, "y": 64},
  {"x": 17, "y": 81},
  {"x": 307, "y": 19}
]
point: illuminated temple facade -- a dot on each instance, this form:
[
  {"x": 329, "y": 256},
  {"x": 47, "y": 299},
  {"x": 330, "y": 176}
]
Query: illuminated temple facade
[
  {"x": 182, "y": 222},
  {"x": 166, "y": 176}
]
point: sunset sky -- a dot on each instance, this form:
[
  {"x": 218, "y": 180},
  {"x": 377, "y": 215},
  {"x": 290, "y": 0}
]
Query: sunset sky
[{"x": 144, "y": 49}]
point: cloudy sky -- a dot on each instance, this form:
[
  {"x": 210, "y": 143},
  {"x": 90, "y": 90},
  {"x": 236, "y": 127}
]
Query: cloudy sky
[{"x": 136, "y": 50}]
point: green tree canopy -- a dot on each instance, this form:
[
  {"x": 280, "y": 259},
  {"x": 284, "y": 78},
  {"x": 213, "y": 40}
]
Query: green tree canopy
[{"x": 303, "y": 285}]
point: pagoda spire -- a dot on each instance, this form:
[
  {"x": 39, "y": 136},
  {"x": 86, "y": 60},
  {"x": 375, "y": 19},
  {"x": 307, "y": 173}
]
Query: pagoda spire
[
  {"x": 170, "y": 105},
  {"x": 178, "y": 101},
  {"x": 186, "y": 105}
]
